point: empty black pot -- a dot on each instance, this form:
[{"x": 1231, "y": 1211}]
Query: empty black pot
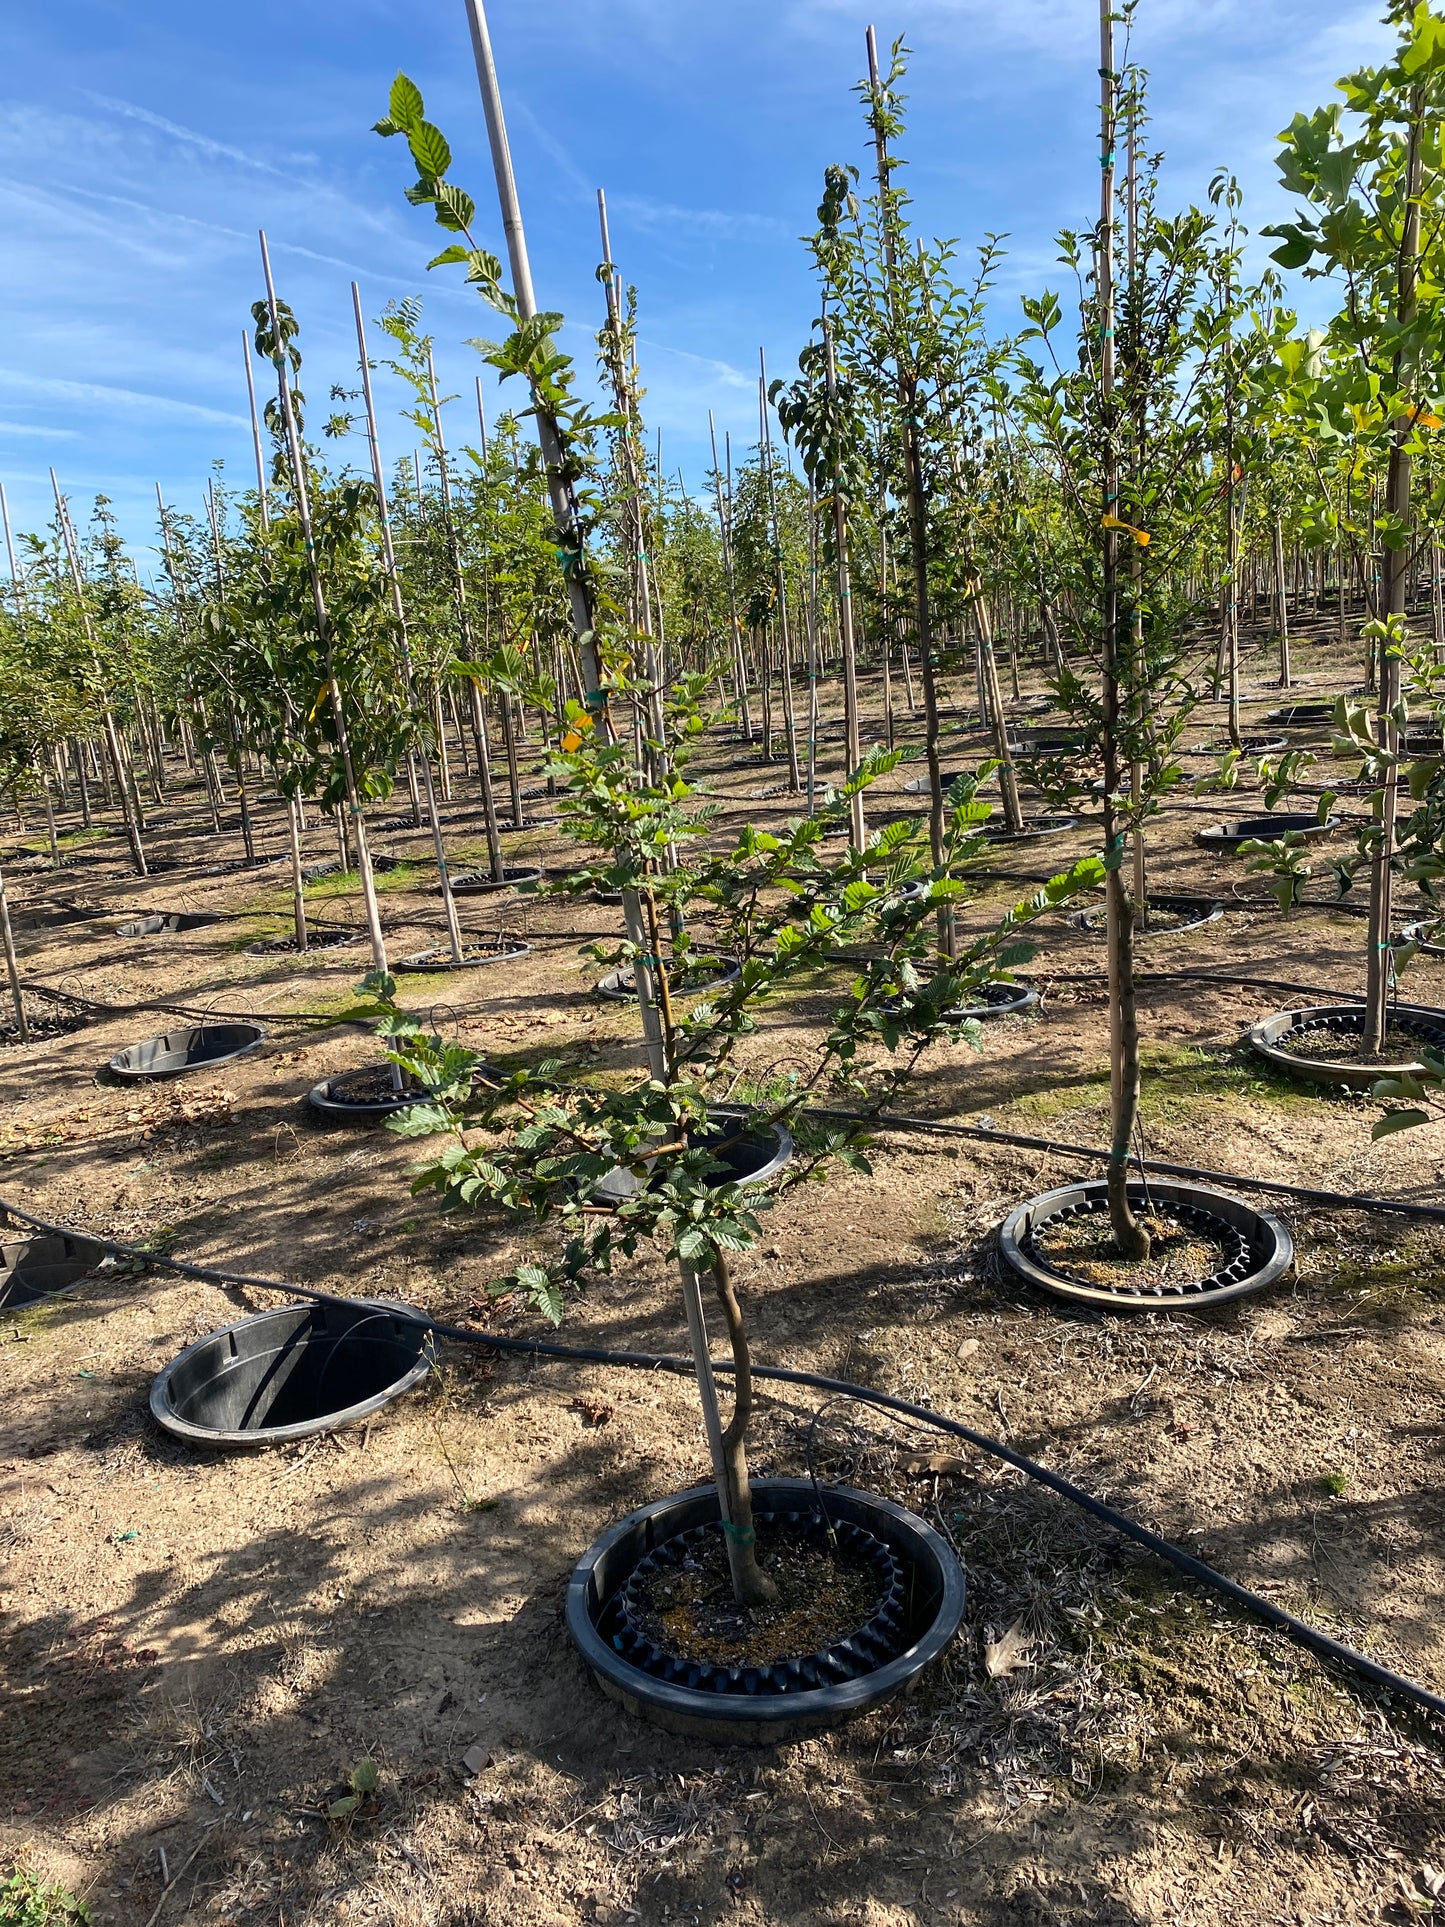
[
  {"x": 292, "y": 1372},
  {"x": 168, "y": 923},
  {"x": 32, "y": 1268},
  {"x": 1264, "y": 829},
  {"x": 748, "y": 1157},
  {"x": 196, "y": 1047}
]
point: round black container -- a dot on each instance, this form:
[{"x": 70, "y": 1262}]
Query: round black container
[
  {"x": 338, "y": 1096},
  {"x": 1303, "y": 715},
  {"x": 1204, "y": 910},
  {"x": 1249, "y": 746},
  {"x": 479, "y": 883},
  {"x": 1264, "y": 829},
  {"x": 289, "y": 1373},
  {"x": 474, "y": 957},
  {"x": 168, "y": 923},
  {"x": 1347, "y": 1019},
  {"x": 994, "y": 1000},
  {"x": 791, "y": 1709},
  {"x": 748, "y": 1157},
  {"x": 33, "y": 1268},
  {"x": 196, "y": 1047},
  {"x": 995, "y": 830},
  {"x": 1263, "y": 1248},
  {"x": 701, "y": 976},
  {"x": 315, "y": 940}
]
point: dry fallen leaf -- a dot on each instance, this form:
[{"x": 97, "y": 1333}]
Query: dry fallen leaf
[
  {"x": 1007, "y": 1654},
  {"x": 922, "y": 1465},
  {"x": 967, "y": 1348}
]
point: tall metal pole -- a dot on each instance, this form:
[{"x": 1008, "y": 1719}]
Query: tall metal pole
[{"x": 565, "y": 510}]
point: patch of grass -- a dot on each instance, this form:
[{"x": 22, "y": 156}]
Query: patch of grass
[
  {"x": 28, "y": 1901},
  {"x": 1336, "y": 1483}
]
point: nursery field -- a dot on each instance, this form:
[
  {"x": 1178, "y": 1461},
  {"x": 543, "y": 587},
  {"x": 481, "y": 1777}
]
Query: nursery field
[
  {"x": 200, "y": 1648},
  {"x": 721, "y": 1200}
]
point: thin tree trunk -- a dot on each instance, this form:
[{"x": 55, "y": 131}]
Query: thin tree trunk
[{"x": 1378, "y": 972}]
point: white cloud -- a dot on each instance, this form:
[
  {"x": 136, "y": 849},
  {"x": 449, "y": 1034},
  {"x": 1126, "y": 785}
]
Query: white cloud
[
  {"x": 39, "y": 432},
  {"x": 129, "y": 400}
]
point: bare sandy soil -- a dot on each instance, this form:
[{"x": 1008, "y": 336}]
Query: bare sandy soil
[{"x": 198, "y": 1648}]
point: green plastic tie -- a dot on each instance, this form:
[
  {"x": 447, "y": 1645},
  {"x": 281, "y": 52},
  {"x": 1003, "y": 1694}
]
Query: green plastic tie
[{"x": 740, "y": 1535}]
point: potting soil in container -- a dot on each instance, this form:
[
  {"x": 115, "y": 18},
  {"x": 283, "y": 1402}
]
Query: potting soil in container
[
  {"x": 823, "y": 1596},
  {"x": 1082, "y": 1246}
]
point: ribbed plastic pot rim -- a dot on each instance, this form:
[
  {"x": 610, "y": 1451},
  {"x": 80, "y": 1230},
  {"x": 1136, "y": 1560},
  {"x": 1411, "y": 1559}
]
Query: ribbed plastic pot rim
[
  {"x": 1221, "y": 836},
  {"x": 441, "y": 958},
  {"x": 759, "y": 1719},
  {"x": 621, "y": 986},
  {"x": 285, "y": 1434},
  {"x": 477, "y": 883},
  {"x": 1017, "y": 1226},
  {"x": 1264, "y": 1037},
  {"x": 1210, "y": 911}
]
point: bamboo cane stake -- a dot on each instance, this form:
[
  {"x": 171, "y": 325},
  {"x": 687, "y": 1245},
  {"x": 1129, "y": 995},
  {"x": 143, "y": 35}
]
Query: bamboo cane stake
[
  {"x": 398, "y": 609},
  {"x": 917, "y": 511},
  {"x": 852, "y": 735},
  {"x": 740, "y": 669},
  {"x": 765, "y": 437},
  {"x": 129, "y": 811},
  {"x": 238, "y": 769},
  {"x": 323, "y": 628},
  {"x": 464, "y": 631}
]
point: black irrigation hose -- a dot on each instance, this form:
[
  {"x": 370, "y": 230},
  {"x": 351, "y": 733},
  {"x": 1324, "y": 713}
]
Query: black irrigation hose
[
  {"x": 1299, "y": 1630},
  {"x": 188, "y": 1010},
  {"x": 1347, "y": 1200}
]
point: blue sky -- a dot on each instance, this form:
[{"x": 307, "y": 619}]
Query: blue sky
[{"x": 142, "y": 147}]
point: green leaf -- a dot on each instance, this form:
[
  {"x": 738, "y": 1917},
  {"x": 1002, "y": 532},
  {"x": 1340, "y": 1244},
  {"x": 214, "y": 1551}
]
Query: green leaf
[
  {"x": 1393, "y": 1121},
  {"x": 343, "y": 1808},
  {"x": 404, "y": 105},
  {"x": 429, "y": 150},
  {"x": 455, "y": 209},
  {"x": 365, "y": 1777}
]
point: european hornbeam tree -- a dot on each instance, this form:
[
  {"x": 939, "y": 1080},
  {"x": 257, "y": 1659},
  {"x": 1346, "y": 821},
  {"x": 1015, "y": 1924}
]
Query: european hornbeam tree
[
  {"x": 1370, "y": 172},
  {"x": 1122, "y": 417}
]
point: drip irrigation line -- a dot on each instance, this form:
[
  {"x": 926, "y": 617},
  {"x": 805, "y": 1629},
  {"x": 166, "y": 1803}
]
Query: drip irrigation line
[
  {"x": 190, "y": 1010},
  {"x": 1306, "y": 1194},
  {"x": 1299, "y": 1630}
]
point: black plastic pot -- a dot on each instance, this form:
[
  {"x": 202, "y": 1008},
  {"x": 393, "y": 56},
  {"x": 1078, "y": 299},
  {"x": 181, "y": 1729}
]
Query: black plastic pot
[
  {"x": 1349, "y": 1020},
  {"x": 475, "y": 956},
  {"x": 702, "y": 975},
  {"x": 196, "y": 1047},
  {"x": 745, "y": 1705},
  {"x": 995, "y": 830},
  {"x": 340, "y": 1097},
  {"x": 292, "y": 1372},
  {"x": 1206, "y": 911},
  {"x": 1264, "y": 829},
  {"x": 996, "y": 1000},
  {"x": 1058, "y": 742},
  {"x": 919, "y": 785},
  {"x": 168, "y": 923},
  {"x": 748, "y": 1159},
  {"x": 1302, "y": 715},
  {"x": 1249, "y": 745},
  {"x": 479, "y": 883},
  {"x": 315, "y": 940},
  {"x": 44, "y": 1267},
  {"x": 1263, "y": 1250}
]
